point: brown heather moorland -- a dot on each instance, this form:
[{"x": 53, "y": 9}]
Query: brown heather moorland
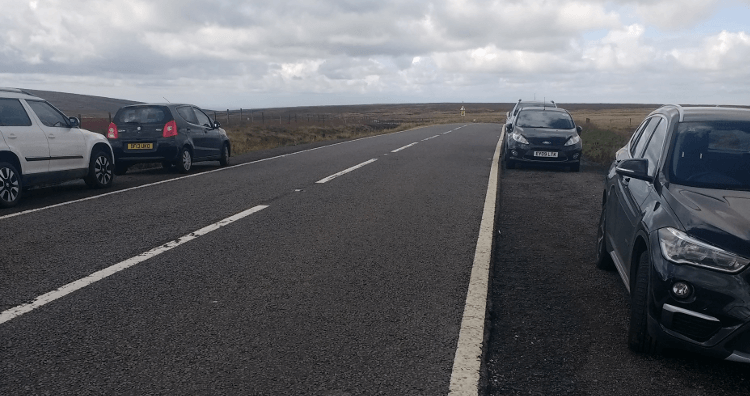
[{"x": 606, "y": 127}]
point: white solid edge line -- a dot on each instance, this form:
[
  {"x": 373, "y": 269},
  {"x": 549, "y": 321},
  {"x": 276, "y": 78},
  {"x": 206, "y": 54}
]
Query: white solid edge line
[
  {"x": 468, "y": 359},
  {"x": 403, "y": 148},
  {"x": 101, "y": 274},
  {"x": 345, "y": 171}
]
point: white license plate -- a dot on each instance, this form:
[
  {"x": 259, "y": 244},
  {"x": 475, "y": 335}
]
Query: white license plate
[{"x": 552, "y": 154}]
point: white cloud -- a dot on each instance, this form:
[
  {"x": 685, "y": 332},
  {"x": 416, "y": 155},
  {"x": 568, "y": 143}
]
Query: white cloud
[{"x": 284, "y": 52}]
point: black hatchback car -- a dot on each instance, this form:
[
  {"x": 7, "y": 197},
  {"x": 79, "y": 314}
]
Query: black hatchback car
[
  {"x": 173, "y": 134},
  {"x": 543, "y": 135},
  {"x": 675, "y": 223}
]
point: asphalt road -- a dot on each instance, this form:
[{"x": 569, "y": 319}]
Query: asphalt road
[
  {"x": 559, "y": 324},
  {"x": 353, "y": 285}
]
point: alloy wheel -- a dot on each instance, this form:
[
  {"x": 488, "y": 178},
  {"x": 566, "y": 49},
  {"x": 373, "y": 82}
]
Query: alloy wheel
[
  {"x": 9, "y": 185},
  {"x": 103, "y": 169}
]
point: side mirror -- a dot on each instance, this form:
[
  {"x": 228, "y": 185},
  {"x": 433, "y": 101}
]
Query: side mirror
[
  {"x": 216, "y": 125},
  {"x": 74, "y": 122},
  {"x": 637, "y": 168},
  {"x": 507, "y": 114},
  {"x": 579, "y": 129},
  {"x": 509, "y": 128}
]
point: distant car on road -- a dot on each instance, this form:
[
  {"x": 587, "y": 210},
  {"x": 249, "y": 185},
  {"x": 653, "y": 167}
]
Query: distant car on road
[
  {"x": 173, "y": 134},
  {"x": 675, "y": 223},
  {"x": 543, "y": 136},
  {"x": 40, "y": 145}
]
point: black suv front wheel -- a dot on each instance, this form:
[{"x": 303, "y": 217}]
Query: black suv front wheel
[
  {"x": 639, "y": 340},
  {"x": 10, "y": 185}
]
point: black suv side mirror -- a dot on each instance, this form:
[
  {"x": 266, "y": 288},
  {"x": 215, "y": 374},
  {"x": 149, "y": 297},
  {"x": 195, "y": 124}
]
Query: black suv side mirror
[
  {"x": 637, "y": 168},
  {"x": 509, "y": 128},
  {"x": 216, "y": 124}
]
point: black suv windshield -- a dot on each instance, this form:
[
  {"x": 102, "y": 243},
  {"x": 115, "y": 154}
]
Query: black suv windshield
[
  {"x": 143, "y": 115},
  {"x": 712, "y": 154},
  {"x": 544, "y": 119}
]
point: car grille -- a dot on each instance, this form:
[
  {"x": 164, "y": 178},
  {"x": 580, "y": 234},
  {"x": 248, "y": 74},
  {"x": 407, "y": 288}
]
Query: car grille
[{"x": 694, "y": 327}]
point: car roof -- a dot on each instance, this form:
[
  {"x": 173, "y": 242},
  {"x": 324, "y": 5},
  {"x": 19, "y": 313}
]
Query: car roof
[
  {"x": 16, "y": 93},
  {"x": 706, "y": 113},
  {"x": 527, "y": 103},
  {"x": 540, "y": 108}
]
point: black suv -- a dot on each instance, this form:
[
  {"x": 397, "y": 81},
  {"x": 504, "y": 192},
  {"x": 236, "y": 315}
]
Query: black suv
[
  {"x": 173, "y": 134},
  {"x": 675, "y": 223}
]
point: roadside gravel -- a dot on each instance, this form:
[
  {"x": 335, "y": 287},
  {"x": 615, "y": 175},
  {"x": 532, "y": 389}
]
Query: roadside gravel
[{"x": 558, "y": 323}]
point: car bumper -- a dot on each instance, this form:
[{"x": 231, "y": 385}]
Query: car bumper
[
  {"x": 714, "y": 320},
  {"x": 165, "y": 149},
  {"x": 539, "y": 154}
]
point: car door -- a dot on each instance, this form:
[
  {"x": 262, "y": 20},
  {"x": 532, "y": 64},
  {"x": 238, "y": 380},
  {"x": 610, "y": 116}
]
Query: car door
[
  {"x": 628, "y": 194},
  {"x": 67, "y": 149},
  {"x": 195, "y": 131},
  {"x": 23, "y": 136},
  {"x": 211, "y": 139}
]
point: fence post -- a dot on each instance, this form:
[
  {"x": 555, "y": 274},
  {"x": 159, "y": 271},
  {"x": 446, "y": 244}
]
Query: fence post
[
  {"x": 227, "y": 116},
  {"x": 110, "y": 117},
  {"x": 240, "y": 115}
]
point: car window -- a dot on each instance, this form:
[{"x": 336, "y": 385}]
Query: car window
[
  {"x": 12, "y": 113},
  {"x": 142, "y": 115},
  {"x": 637, "y": 150},
  {"x": 187, "y": 113},
  {"x": 637, "y": 135},
  {"x": 654, "y": 146},
  {"x": 711, "y": 154},
  {"x": 48, "y": 115},
  {"x": 545, "y": 119},
  {"x": 202, "y": 118}
]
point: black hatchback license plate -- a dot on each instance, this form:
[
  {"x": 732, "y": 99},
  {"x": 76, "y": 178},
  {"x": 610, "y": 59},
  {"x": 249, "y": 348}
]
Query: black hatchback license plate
[{"x": 140, "y": 146}]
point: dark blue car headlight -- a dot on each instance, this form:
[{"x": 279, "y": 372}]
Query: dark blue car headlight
[
  {"x": 573, "y": 140},
  {"x": 518, "y": 138},
  {"x": 679, "y": 248}
]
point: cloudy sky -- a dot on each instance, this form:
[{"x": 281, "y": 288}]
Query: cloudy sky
[{"x": 278, "y": 53}]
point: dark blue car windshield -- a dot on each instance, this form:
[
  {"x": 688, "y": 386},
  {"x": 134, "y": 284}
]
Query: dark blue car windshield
[
  {"x": 544, "y": 119},
  {"x": 711, "y": 154}
]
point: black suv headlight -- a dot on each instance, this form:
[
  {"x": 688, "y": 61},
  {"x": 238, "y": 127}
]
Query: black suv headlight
[{"x": 678, "y": 247}]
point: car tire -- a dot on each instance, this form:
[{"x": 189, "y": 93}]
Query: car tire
[
  {"x": 184, "y": 161},
  {"x": 576, "y": 167},
  {"x": 603, "y": 259},
  {"x": 11, "y": 185},
  {"x": 121, "y": 169},
  {"x": 224, "y": 159},
  {"x": 101, "y": 172},
  {"x": 639, "y": 340}
]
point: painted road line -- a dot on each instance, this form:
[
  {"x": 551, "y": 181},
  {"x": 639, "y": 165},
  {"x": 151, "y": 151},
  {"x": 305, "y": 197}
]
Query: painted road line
[
  {"x": 99, "y": 275},
  {"x": 432, "y": 137},
  {"x": 403, "y": 148},
  {"x": 192, "y": 175},
  {"x": 345, "y": 171},
  {"x": 467, "y": 363}
]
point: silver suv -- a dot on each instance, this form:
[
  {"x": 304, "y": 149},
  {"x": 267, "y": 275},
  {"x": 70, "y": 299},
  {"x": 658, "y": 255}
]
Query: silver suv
[{"x": 40, "y": 145}]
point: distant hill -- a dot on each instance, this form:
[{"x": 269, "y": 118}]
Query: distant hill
[{"x": 84, "y": 105}]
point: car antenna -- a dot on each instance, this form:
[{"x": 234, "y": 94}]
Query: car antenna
[{"x": 166, "y": 100}]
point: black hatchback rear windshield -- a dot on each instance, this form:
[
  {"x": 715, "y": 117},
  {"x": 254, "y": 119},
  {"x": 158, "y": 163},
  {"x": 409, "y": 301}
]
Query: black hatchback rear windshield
[
  {"x": 143, "y": 115},
  {"x": 711, "y": 154},
  {"x": 545, "y": 119}
]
